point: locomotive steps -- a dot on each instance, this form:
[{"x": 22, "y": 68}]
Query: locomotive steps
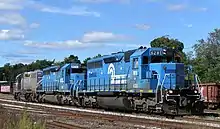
[{"x": 121, "y": 116}]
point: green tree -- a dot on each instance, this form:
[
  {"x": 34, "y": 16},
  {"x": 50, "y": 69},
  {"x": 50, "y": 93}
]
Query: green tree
[
  {"x": 165, "y": 41},
  {"x": 72, "y": 59},
  {"x": 97, "y": 56},
  {"x": 207, "y": 61},
  {"x": 7, "y": 72},
  {"x": 89, "y": 58},
  {"x": 11, "y": 71},
  {"x": 85, "y": 61}
]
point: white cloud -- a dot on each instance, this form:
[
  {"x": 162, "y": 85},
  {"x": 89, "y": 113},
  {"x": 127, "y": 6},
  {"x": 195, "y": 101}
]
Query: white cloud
[
  {"x": 72, "y": 11},
  {"x": 11, "y": 4},
  {"x": 88, "y": 40},
  {"x": 21, "y": 60},
  {"x": 11, "y": 35},
  {"x": 28, "y": 52},
  {"x": 69, "y": 44},
  {"x": 202, "y": 9},
  {"x": 75, "y": 10},
  {"x": 176, "y": 7},
  {"x": 14, "y": 58},
  {"x": 189, "y": 25},
  {"x": 11, "y": 15},
  {"x": 12, "y": 19},
  {"x": 94, "y": 1},
  {"x": 76, "y": 45},
  {"x": 34, "y": 25},
  {"x": 13, "y": 55},
  {"x": 103, "y": 1},
  {"x": 97, "y": 37},
  {"x": 124, "y": 45},
  {"x": 179, "y": 7},
  {"x": 142, "y": 26},
  {"x": 21, "y": 56},
  {"x": 153, "y": 1}
]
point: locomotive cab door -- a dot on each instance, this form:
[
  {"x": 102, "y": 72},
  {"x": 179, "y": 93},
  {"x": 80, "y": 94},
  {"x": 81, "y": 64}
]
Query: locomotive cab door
[
  {"x": 135, "y": 73},
  {"x": 67, "y": 75}
]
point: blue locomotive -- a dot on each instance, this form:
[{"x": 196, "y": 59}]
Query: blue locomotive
[
  {"x": 59, "y": 84},
  {"x": 143, "y": 79}
]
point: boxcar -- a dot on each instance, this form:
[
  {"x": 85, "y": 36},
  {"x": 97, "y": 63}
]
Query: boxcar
[
  {"x": 211, "y": 95},
  {"x": 5, "y": 87}
]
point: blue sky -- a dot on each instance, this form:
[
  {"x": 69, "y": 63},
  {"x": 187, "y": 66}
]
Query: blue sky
[{"x": 54, "y": 29}]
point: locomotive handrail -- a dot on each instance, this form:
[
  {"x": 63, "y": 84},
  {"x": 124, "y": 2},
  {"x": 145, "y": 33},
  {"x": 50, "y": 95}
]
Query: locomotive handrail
[
  {"x": 198, "y": 81},
  {"x": 161, "y": 87},
  {"x": 75, "y": 87},
  {"x": 71, "y": 86},
  {"x": 158, "y": 83},
  {"x": 79, "y": 81},
  {"x": 128, "y": 72}
]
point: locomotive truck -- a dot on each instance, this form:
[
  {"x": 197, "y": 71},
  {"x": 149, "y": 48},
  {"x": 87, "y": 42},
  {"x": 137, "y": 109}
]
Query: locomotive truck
[{"x": 143, "y": 79}]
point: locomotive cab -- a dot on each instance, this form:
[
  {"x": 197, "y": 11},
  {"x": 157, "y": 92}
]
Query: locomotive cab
[
  {"x": 159, "y": 71},
  {"x": 77, "y": 76}
]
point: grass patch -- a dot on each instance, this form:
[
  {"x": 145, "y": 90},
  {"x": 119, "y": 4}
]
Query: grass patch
[{"x": 19, "y": 120}]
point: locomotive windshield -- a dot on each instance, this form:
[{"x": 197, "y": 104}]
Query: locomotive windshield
[
  {"x": 170, "y": 56},
  {"x": 78, "y": 70}
]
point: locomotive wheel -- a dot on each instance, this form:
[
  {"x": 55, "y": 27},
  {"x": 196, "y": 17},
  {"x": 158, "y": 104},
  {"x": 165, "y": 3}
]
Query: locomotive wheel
[
  {"x": 60, "y": 100},
  {"x": 144, "y": 107},
  {"x": 33, "y": 97},
  {"x": 76, "y": 102},
  {"x": 19, "y": 97},
  {"x": 28, "y": 97},
  {"x": 39, "y": 98},
  {"x": 15, "y": 96},
  {"x": 198, "y": 108},
  {"x": 66, "y": 102}
]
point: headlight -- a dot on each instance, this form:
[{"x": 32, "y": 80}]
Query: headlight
[
  {"x": 170, "y": 91},
  {"x": 195, "y": 91}
]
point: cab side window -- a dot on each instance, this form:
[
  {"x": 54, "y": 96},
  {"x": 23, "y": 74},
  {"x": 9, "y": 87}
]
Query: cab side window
[
  {"x": 145, "y": 60},
  {"x": 135, "y": 63},
  {"x": 68, "y": 71}
]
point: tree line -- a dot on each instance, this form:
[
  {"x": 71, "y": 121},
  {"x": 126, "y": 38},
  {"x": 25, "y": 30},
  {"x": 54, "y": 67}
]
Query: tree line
[
  {"x": 9, "y": 72},
  {"x": 204, "y": 57}
]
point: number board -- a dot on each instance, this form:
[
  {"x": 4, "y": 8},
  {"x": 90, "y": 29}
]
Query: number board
[{"x": 156, "y": 53}]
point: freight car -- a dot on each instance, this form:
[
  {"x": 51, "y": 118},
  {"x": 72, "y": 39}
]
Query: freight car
[
  {"x": 6, "y": 87},
  {"x": 143, "y": 79},
  {"x": 211, "y": 95}
]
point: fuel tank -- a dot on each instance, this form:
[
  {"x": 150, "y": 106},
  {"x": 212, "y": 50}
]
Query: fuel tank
[{"x": 120, "y": 103}]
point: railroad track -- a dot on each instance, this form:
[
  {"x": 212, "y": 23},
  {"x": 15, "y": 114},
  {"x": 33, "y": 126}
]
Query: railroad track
[
  {"x": 143, "y": 122},
  {"x": 135, "y": 120},
  {"x": 208, "y": 112}
]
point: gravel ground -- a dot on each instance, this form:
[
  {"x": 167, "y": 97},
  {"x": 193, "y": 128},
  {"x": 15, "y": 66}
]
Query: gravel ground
[
  {"x": 74, "y": 119},
  {"x": 6, "y": 96},
  {"x": 55, "y": 118}
]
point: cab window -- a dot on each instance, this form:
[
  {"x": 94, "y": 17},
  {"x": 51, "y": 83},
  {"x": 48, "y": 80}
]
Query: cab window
[
  {"x": 145, "y": 60},
  {"x": 135, "y": 63},
  {"x": 68, "y": 71},
  {"x": 156, "y": 59}
]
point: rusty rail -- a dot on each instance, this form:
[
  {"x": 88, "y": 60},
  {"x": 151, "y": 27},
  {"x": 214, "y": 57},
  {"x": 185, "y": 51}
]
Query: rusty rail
[{"x": 62, "y": 125}]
